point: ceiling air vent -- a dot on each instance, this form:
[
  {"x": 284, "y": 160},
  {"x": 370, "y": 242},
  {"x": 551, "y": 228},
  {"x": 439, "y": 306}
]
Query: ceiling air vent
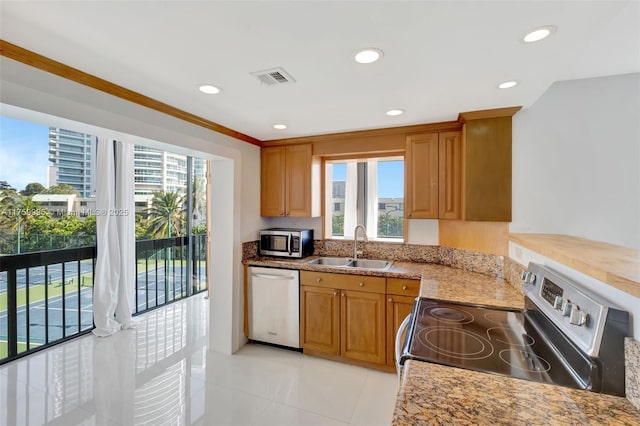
[{"x": 273, "y": 77}]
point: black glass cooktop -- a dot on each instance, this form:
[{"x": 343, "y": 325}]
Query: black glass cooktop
[{"x": 488, "y": 339}]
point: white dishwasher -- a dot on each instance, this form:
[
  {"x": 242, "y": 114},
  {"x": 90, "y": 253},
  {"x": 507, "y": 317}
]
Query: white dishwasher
[{"x": 274, "y": 306}]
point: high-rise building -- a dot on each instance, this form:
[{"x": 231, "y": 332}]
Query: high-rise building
[
  {"x": 156, "y": 170},
  {"x": 72, "y": 155}
]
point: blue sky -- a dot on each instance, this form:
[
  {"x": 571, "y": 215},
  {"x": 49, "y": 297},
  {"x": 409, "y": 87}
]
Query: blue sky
[
  {"x": 24, "y": 159},
  {"x": 24, "y": 152},
  {"x": 390, "y": 177}
]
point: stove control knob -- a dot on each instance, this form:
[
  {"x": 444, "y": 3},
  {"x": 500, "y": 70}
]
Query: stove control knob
[
  {"x": 523, "y": 275},
  {"x": 531, "y": 279},
  {"x": 566, "y": 307},
  {"x": 557, "y": 303},
  {"x": 578, "y": 317}
]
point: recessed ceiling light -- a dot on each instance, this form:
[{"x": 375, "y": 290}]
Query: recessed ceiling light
[
  {"x": 395, "y": 111},
  {"x": 280, "y": 126},
  {"x": 539, "y": 34},
  {"x": 369, "y": 55},
  {"x": 209, "y": 89},
  {"x": 507, "y": 84}
]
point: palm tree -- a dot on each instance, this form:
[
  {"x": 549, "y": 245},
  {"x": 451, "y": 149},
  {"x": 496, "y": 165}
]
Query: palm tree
[
  {"x": 199, "y": 199},
  {"x": 166, "y": 213},
  {"x": 19, "y": 212}
]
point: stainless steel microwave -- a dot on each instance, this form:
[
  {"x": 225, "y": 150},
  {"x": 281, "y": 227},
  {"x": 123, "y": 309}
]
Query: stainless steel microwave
[{"x": 286, "y": 242}]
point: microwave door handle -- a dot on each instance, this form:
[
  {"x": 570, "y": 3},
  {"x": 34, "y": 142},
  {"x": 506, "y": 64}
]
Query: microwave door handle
[{"x": 290, "y": 244}]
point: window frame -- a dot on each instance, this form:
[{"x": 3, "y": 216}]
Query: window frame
[{"x": 327, "y": 203}]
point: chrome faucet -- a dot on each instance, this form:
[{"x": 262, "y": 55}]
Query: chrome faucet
[{"x": 355, "y": 240}]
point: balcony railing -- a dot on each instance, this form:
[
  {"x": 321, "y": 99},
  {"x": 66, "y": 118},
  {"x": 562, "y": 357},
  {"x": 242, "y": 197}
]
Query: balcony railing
[{"x": 46, "y": 297}]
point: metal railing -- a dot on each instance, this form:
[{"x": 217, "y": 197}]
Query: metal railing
[
  {"x": 166, "y": 270},
  {"x": 46, "y": 297}
]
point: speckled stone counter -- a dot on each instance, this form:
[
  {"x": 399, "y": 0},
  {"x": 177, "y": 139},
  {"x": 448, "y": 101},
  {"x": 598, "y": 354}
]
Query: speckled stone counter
[
  {"x": 432, "y": 394},
  {"x": 437, "y": 281}
]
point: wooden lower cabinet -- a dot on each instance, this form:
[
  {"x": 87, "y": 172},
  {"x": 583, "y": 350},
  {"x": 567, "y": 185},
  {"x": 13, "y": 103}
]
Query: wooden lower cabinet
[
  {"x": 320, "y": 319},
  {"x": 353, "y": 317},
  {"x": 362, "y": 327},
  {"x": 350, "y": 324},
  {"x": 401, "y": 295},
  {"x": 343, "y": 316},
  {"x": 398, "y": 307}
]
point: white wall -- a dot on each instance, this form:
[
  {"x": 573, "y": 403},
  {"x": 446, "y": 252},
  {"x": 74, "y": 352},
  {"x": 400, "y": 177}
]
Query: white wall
[
  {"x": 63, "y": 103},
  {"x": 576, "y": 161}
]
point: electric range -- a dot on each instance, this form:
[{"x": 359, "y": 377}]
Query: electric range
[{"x": 566, "y": 335}]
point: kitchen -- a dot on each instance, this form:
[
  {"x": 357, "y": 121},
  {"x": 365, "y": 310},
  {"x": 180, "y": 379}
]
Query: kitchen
[{"x": 546, "y": 141}]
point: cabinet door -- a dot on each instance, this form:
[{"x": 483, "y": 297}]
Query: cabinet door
[
  {"x": 398, "y": 307},
  {"x": 320, "y": 319},
  {"x": 450, "y": 175},
  {"x": 362, "y": 327},
  {"x": 487, "y": 170},
  {"x": 421, "y": 161},
  {"x": 298, "y": 181},
  {"x": 272, "y": 181}
]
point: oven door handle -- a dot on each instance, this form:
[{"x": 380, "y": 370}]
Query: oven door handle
[{"x": 398, "y": 346}]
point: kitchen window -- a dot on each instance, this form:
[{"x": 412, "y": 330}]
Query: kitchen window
[{"x": 369, "y": 192}]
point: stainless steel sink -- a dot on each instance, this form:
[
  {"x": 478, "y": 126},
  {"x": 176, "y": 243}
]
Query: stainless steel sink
[
  {"x": 369, "y": 264},
  {"x": 347, "y": 262},
  {"x": 329, "y": 261}
]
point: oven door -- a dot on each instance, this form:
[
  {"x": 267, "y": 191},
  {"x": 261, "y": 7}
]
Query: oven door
[{"x": 400, "y": 342}]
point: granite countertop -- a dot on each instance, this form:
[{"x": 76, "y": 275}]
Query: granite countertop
[
  {"x": 432, "y": 394},
  {"x": 437, "y": 281}
]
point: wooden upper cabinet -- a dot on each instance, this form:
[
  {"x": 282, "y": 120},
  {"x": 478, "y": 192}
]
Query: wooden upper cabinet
[
  {"x": 434, "y": 175},
  {"x": 290, "y": 180},
  {"x": 461, "y": 175},
  {"x": 298, "y": 181},
  {"x": 450, "y": 175},
  {"x": 421, "y": 184},
  {"x": 487, "y": 169},
  {"x": 272, "y": 181}
]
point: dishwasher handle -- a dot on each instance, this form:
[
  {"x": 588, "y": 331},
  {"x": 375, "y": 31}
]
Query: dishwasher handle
[
  {"x": 398, "y": 346},
  {"x": 273, "y": 277}
]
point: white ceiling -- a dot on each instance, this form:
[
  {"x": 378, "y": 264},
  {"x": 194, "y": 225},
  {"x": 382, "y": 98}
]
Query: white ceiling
[{"x": 440, "y": 58}]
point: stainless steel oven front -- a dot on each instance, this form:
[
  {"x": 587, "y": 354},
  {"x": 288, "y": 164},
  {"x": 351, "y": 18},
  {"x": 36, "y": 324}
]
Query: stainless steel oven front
[{"x": 565, "y": 336}]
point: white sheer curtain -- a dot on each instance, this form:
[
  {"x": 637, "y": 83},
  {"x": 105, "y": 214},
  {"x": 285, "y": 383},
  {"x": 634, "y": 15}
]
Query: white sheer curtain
[
  {"x": 115, "y": 222},
  {"x": 372, "y": 198},
  {"x": 350, "y": 198}
]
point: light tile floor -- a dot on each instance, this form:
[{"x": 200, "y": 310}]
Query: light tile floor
[{"x": 162, "y": 373}]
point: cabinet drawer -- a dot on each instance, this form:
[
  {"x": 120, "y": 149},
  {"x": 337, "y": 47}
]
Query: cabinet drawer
[
  {"x": 403, "y": 287},
  {"x": 343, "y": 281}
]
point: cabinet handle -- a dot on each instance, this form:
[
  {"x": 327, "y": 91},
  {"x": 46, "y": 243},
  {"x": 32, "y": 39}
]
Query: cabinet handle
[
  {"x": 404, "y": 287},
  {"x": 390, "y": 299},
  {"x": 361, "y": 284},
  {"x": 409, "y": 215},
  {"x": 343, "y": 294},
  {"x": 318, "y": 279},
  {"x": 335, "y": 293}
]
